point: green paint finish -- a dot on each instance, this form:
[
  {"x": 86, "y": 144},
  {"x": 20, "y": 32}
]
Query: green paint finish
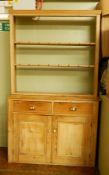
[{"x": 4, "y": 26}]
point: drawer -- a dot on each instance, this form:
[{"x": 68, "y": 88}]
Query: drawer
[
  {"x": 32, "y": 106},
  {"x": 63, "y": 108}
]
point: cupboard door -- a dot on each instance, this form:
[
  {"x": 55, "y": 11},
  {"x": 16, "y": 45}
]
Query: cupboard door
[
  {"x": 71, "y": 140},
  {"x": 32, "y": 138}
]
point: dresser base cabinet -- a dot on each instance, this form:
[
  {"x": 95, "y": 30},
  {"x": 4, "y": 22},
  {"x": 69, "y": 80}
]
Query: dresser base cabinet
[{"x": 53, "y": 131}]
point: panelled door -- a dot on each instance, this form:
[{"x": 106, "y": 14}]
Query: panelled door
[
  {"x": 71, "y": 140},
  {"x": 32, "y": 138}
]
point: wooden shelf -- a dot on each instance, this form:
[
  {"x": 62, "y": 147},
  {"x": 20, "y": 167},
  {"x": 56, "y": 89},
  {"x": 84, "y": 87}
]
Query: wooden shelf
[
  {"x": 55, "y": 13},
  {"x": 55, "y": 67},
  {"x": 54, "y": 43}
]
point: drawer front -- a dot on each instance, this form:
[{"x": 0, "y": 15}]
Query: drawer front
[
  {"x": 73, "y": 108},
  {"x": 32, "y": 106}
]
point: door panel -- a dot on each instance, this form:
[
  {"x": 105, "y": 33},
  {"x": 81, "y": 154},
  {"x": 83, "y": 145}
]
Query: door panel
[
  {"x": 71, "y": 144},
  {"x": 32, "y": 138},
  {"x": 28, "y": 132},
  {"x": 65, "y": 146}
]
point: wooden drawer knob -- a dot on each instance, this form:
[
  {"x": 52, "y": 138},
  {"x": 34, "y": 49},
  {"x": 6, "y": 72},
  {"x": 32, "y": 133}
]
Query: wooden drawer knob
[
  {"x": 73, "y": 108},
  {"x": 54, "y": 130},
  {"x": 32, "y": 108}
]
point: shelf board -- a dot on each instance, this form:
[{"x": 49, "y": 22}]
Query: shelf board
[
  {"x": 55, "y": 67},
  {"x": 54, "y": 13},
  {"x": 54, "y": 43}
]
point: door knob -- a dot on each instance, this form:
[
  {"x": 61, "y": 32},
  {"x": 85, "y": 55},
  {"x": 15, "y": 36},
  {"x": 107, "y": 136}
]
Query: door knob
[{"x": 54, "y": 130}]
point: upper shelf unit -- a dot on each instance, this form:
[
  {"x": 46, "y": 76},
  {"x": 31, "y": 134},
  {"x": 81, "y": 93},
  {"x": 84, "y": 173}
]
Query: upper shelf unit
[{"x": 55, "y": 51}]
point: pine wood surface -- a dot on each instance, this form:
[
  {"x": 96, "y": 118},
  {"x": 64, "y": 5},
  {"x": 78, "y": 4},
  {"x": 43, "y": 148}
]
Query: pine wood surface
[
  {"x": 50, "y": 122},
  {"x": 54, "y": 44},
  {"x": 30, "y": 169},
  {"x": 55, "y": 12}
]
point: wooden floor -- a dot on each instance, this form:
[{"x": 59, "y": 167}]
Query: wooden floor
[{"x": 24, "y": 169}]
